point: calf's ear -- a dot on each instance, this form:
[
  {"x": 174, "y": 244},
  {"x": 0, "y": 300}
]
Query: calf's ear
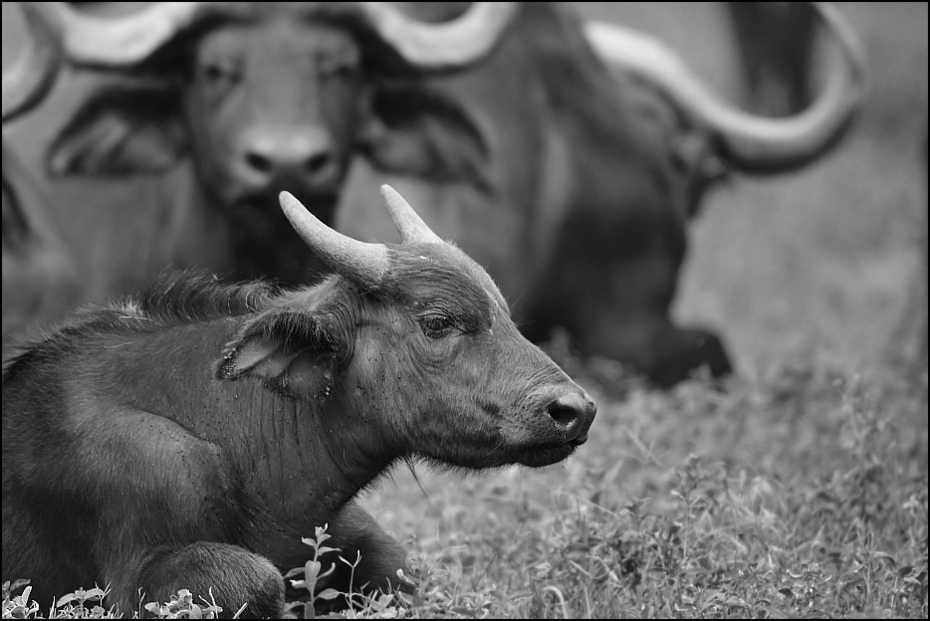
[
  {"x": 119, "y": 130},
  {"x": 293, "y": 352}
]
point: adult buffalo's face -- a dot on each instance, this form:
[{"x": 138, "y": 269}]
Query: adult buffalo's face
[
  {"x": 263, "y": 97},
  {"x": 271, "y": 106},
  {"x": 261, "y": 100}
]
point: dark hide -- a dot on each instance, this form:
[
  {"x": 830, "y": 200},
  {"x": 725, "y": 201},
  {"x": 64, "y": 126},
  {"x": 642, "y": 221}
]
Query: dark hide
[
  {"x": 189, "y": 437},
  {"x": 572, "y": 186}
]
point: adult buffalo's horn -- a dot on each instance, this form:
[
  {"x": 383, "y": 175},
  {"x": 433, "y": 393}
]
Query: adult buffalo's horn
[
  {"x": 362, "y": 263},
  {"x": 34, "y": 70},
  {"x": 117, "y": 41},
  {"x": 454, "y": 43},
  {"x": 749, "y": 142},
  {"x": 411, "y": 227}
]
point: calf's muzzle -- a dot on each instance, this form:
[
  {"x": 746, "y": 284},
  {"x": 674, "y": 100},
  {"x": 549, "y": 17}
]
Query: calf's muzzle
[{"x": 573, "y": 413}]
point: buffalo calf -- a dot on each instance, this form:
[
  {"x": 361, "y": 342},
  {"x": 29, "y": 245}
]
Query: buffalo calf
[{"x": 189, "y": 437}]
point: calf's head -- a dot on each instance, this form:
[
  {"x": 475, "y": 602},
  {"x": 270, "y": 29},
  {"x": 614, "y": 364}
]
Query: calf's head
[{"x": 417, "y": 340}]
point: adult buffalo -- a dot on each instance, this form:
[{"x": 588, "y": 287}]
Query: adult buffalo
[
  {"x": 572, "y": 181},
  {"x": 39, "y": 271},
  {"x": 189, "y": 437},
  {"x": 257, "y": 97},
  {"x": 580, "y": 151}
]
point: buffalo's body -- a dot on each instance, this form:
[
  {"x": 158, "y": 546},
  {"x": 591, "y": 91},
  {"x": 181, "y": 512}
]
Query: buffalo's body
[
  {"x": 189, "y": 438},
  {"x": 572, "y": 185}
]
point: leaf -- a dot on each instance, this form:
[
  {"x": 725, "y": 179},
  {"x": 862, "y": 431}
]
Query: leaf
[
  {"x": 904, "y": 570},
  {"x": 312, "y": 570},
  {"x": 887, "y": 558},
  {"x": 328, "y": 594},
  {"x": 465, "y": 612}
]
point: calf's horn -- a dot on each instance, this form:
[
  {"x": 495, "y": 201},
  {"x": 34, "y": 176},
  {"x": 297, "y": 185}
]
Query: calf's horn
[
  {"x": 363, "y": 263},
  {"x": 411, "y": 227}
]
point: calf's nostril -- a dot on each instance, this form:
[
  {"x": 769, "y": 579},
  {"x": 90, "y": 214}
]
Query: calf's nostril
[{"x": 563, "y": 412}]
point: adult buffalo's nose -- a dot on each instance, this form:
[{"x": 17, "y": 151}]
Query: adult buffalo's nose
[
  {"x": 573, "y": 412},
  {"x": 306, "y": 155}
]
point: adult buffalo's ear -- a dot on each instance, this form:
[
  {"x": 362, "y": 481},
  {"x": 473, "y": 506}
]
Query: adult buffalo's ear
[
  {"x": 415, "y": 132},
  {"x": 294, "y": 352},
  {"x": 121, "y": 129}
]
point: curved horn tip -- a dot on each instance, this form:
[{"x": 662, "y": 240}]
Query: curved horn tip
[
  {"x": 391, "y": 196},
  {"x": 288, "y": 202}
]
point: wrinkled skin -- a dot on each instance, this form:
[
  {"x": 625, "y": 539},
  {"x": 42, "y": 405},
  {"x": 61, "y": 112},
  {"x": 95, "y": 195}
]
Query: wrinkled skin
[{"x": 201, "y": 430}]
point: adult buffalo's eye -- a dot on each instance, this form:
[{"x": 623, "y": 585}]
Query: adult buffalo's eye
[
  {"x": 220, "y": 73},
  {"x": 344, "y": 68},
  {"x": 437, "y": 326}
]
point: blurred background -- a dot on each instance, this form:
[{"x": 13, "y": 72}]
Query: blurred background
[{"x": 824, "y": 263}]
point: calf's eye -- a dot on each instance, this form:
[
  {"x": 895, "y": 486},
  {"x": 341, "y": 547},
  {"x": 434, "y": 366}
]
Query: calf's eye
[{"x": 437, "y": 326}]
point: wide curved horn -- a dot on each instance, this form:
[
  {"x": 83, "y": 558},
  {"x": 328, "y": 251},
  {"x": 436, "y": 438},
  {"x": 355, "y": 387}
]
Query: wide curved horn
[
  {"x": 451, "y": 44},
  {"x": 118, "y": 41},
  {"x": 33, "y": 73},
  {"x": 749, "y": 142},
  {"x": 411, "y": 227},
  {"x": 362, "y": 263}
]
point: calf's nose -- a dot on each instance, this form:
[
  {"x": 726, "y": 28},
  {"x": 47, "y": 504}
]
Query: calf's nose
[{"x": 574, "y": 412}]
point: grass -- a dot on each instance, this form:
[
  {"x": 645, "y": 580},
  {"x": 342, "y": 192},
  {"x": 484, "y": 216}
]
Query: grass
[
  {"x": 799, "y": 489},
  {"x": 801, "y": 495}
]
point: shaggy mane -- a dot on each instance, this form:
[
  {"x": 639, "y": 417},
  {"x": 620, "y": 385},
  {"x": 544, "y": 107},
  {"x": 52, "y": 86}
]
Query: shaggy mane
[
  {"x": 172, "y": 299},
  {"x": 198, "y": 296}
]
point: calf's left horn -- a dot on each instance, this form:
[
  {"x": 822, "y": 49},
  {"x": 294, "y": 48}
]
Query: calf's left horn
[{"x": 363, "y": 263}]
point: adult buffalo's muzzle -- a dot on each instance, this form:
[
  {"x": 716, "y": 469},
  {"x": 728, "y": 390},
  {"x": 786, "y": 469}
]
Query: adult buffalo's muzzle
[{"x": 307, "y": 156}]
